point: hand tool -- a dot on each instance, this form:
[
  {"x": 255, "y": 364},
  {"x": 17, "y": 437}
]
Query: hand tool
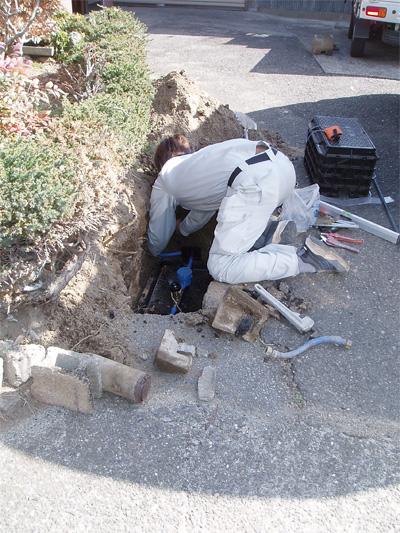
[
  {"x": 303, "y": 324},
  {"x": 331, "y": 241},
  {"x": 247, "y": 123},
  {"x": 343, "y": 238},
  {"x": 371, "y": 227},
  {"x": 335, "y": 224}
]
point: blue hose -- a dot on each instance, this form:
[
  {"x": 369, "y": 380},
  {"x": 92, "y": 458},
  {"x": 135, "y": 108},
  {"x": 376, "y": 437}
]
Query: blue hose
[
  {"x": 174, "y": 309},
  {"x": 170, "y": 254},
  {"x": 339, "y": 341}
]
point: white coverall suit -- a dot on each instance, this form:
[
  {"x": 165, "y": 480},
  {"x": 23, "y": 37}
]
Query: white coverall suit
[{"x": 198, "y": 182}]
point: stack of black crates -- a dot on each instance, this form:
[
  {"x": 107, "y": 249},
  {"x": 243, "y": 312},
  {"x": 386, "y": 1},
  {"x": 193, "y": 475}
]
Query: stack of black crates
[{"x": 343, "y": 167}]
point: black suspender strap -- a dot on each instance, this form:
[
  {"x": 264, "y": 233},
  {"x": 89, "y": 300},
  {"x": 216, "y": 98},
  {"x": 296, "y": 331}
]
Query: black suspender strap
[
  {"x": 233, "y": 176},
  {"x": 259, "y": 158}
]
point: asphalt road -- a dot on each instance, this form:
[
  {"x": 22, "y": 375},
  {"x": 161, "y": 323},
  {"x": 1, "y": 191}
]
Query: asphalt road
[{"x": 311, "y": 445}]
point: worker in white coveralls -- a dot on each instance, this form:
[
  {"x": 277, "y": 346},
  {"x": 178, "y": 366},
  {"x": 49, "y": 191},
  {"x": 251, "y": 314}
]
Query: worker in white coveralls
[{"x": 245, "y": 181}]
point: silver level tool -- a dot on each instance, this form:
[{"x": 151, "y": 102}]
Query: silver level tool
[
  {"x": 366, "y": 225},
  {"x": 303, "y": 324}
]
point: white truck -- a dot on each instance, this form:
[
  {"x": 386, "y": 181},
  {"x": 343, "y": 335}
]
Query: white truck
[{"x": 373, "y": 17}]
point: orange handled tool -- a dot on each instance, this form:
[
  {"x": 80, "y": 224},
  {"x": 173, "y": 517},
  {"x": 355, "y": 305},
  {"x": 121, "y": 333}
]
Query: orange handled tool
[{"x": 333, "y": 133}]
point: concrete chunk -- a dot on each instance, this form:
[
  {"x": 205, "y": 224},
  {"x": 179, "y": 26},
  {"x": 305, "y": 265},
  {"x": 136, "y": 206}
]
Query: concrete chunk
[
  {"x": 57, "y": 386},
  {"x": 322, "y": 45},
  {"x": 234, "y": 307},
  {"x": 1, "y": 372},
  {"x": 206, "y": 384},
  {"x": 168, "y": 359},
  {"x": 186, "y": 349},
  {"x": 71, "y": 361},
  {"x": 18, "y": 361}
]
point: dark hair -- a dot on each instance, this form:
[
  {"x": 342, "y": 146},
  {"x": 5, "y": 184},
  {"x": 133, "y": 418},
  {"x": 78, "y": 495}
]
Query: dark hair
[{"x": 170, "y": 147}]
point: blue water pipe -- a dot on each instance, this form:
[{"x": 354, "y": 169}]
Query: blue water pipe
[
  {"x": 339, "y": 341},
  {"x": 185, "y": 279},
  {"x": 169, "y": 254}
]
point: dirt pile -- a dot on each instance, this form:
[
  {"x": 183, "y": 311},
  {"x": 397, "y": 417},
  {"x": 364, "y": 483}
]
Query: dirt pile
[
  {"x": 181, "y": 106},
  {"x": 96, "y": 309}
]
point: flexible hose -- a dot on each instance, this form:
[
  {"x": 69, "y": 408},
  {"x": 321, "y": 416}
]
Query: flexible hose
[
  {"x": 169, "y": 254},
  {"x": 339, "y": 341}
]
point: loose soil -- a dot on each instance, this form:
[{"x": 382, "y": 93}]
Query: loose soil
[{"x": 97, "y": 307}]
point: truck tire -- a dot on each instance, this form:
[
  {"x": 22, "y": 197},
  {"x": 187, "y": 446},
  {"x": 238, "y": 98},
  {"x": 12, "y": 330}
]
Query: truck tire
[
  {"x": 357, "y": 47},
  {"x": 391, "y": 37}
]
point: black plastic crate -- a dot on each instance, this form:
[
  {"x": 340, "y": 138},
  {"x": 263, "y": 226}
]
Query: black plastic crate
[
  {"x": 344, "y": 167},
  {"x": 337, "y": 184}
]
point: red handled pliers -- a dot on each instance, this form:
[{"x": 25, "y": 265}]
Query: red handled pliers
[{"x": 337, "y": 240}]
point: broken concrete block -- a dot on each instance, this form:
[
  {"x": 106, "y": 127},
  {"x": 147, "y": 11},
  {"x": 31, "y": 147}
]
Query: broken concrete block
[
  {"x": 215, "y": 293},
  {"x": 186, "y": 349},
  {"x": 201, "y": 352},
  {"x": 322, "y": 45},
  {"x": 114, "y": 377},
  {"x": 18, "y": 361},
  {"x": 1, "y": 371},
  {"x": 168, "y": 359},
  {"x": 206, "y": 384},
  {"x": 57, "y": 386},
  {"x": 237, "y": 308},
  {"x": 71, "y": 361}
]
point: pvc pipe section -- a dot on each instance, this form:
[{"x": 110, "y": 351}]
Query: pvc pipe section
[
  {"x": 185, "y": 279},
  {"x": 339, "y": 341},
  {"x": 170, "y": 254}
]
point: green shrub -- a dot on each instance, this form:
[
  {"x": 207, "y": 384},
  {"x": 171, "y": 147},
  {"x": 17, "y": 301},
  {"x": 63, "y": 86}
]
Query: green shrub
[
  {"x": 125, "y": 96},
  {"x": 40, "y": 177},
  {"x": 35, "y": 182},
  {"x": 66, "y": 49}
]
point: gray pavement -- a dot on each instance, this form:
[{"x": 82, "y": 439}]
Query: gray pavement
[{"x": 307, "y": 445}]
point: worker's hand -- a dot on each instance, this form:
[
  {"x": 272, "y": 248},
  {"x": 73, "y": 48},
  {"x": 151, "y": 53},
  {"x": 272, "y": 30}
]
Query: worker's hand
[{"x": 178, "y": 221}]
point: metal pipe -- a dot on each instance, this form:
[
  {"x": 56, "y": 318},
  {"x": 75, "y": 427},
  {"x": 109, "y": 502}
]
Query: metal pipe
[
  {"x": 382, "y": 198},
  {"x": 339, "y": 341}
]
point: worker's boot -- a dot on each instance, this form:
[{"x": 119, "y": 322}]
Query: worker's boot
[
  {"x": 314, "y": 256},
  {"x": 277, "y": 232}
]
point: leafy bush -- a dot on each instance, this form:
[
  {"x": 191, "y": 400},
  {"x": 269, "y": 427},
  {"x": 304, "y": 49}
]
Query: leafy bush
[
  {"x": 66, "y": 174},
  {"x": 22, "y": 20},
  {"x": 24, "y": 104},
  {"x": 123, "y": 100},
  {"x": 36, "y": 190},
  {"x": 69, "y": 39}
]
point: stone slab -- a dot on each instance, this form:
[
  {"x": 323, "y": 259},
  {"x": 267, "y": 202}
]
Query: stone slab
[
  {"x": 57, "y": 386},
  {"x": 168, "y": 359},
  {"x": 18, "y": 361},
  {"x": 69, "y": 360},
  {"x": 235, "y": 306},
  {"x": 207, "y": 383}
]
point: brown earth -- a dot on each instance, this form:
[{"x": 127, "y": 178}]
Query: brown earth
[{"x": 96, "y": 309}]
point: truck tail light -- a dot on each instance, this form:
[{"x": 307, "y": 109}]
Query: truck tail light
[{"x": 377, "y": 12}]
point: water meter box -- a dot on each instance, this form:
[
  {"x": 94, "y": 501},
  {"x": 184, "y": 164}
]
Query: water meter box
[{"x": 344, "y": 167}]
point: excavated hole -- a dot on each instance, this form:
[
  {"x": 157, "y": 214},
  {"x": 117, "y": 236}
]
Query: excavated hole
[
  {"x": 157, "y": 297},
  {"x": 158, "y": 276}
]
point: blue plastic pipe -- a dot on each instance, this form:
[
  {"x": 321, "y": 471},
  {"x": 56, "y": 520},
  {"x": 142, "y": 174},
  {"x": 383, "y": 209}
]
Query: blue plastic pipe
[
  {"x": 339, "y": 341},
  {"x": 169, "y": 254}
]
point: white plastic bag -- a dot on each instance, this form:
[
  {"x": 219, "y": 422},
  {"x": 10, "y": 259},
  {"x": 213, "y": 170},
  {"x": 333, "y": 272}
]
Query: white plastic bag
[{"x": 302, "y": 207}]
